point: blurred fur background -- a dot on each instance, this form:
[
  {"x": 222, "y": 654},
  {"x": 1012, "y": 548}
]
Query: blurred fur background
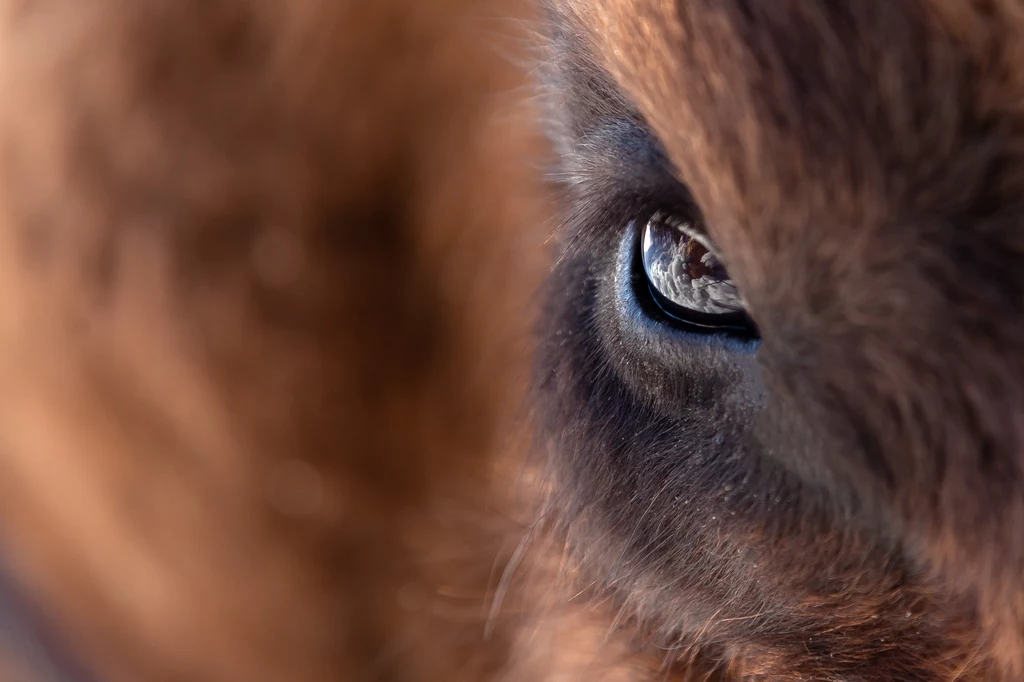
[{"x": 264, "y": 269}]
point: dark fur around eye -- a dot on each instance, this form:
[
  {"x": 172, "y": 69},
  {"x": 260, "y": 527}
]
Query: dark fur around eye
[
  {"x": 669, "y": 495},
  {"x": 662, "y": 445}
]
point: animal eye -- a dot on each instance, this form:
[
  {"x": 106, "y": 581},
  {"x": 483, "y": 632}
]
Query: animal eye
[{"x": 687, "y": 281}]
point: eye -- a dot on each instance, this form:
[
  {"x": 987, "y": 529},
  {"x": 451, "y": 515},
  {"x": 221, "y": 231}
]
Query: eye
[{"x": 688, "y": 282}]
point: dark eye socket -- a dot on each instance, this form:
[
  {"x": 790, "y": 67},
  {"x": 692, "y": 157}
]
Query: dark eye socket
[{"x": 686, "y": 280}]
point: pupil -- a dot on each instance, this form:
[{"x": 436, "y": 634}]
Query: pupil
[{"x": 683, "y": 271}]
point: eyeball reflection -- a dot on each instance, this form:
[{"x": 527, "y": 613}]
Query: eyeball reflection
[{"x": 682, "y": 270}]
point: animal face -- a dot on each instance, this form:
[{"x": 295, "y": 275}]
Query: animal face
[{"x": 819, "y": 478}]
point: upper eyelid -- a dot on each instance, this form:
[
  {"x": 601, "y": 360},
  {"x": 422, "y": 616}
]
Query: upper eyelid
[
  {"x": 608, "y": 176},
  {"x": 598, "y": 215},
  {"x": 623, "y": 155},
  {"x": 617, "y": 173}
]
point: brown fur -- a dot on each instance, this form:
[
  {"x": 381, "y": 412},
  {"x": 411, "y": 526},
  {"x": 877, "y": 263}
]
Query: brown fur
[
  {"x": 257, "y": 333},
  {"x": 268, "y": 273},
  {"x": 858, "y": 166}
]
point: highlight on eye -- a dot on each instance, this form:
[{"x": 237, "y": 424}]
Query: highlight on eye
[{"x": 686, "y": 279}]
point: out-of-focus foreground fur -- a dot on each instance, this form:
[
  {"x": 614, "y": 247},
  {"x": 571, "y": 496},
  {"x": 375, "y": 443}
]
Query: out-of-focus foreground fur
[{"x": 263, "y": 268}]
